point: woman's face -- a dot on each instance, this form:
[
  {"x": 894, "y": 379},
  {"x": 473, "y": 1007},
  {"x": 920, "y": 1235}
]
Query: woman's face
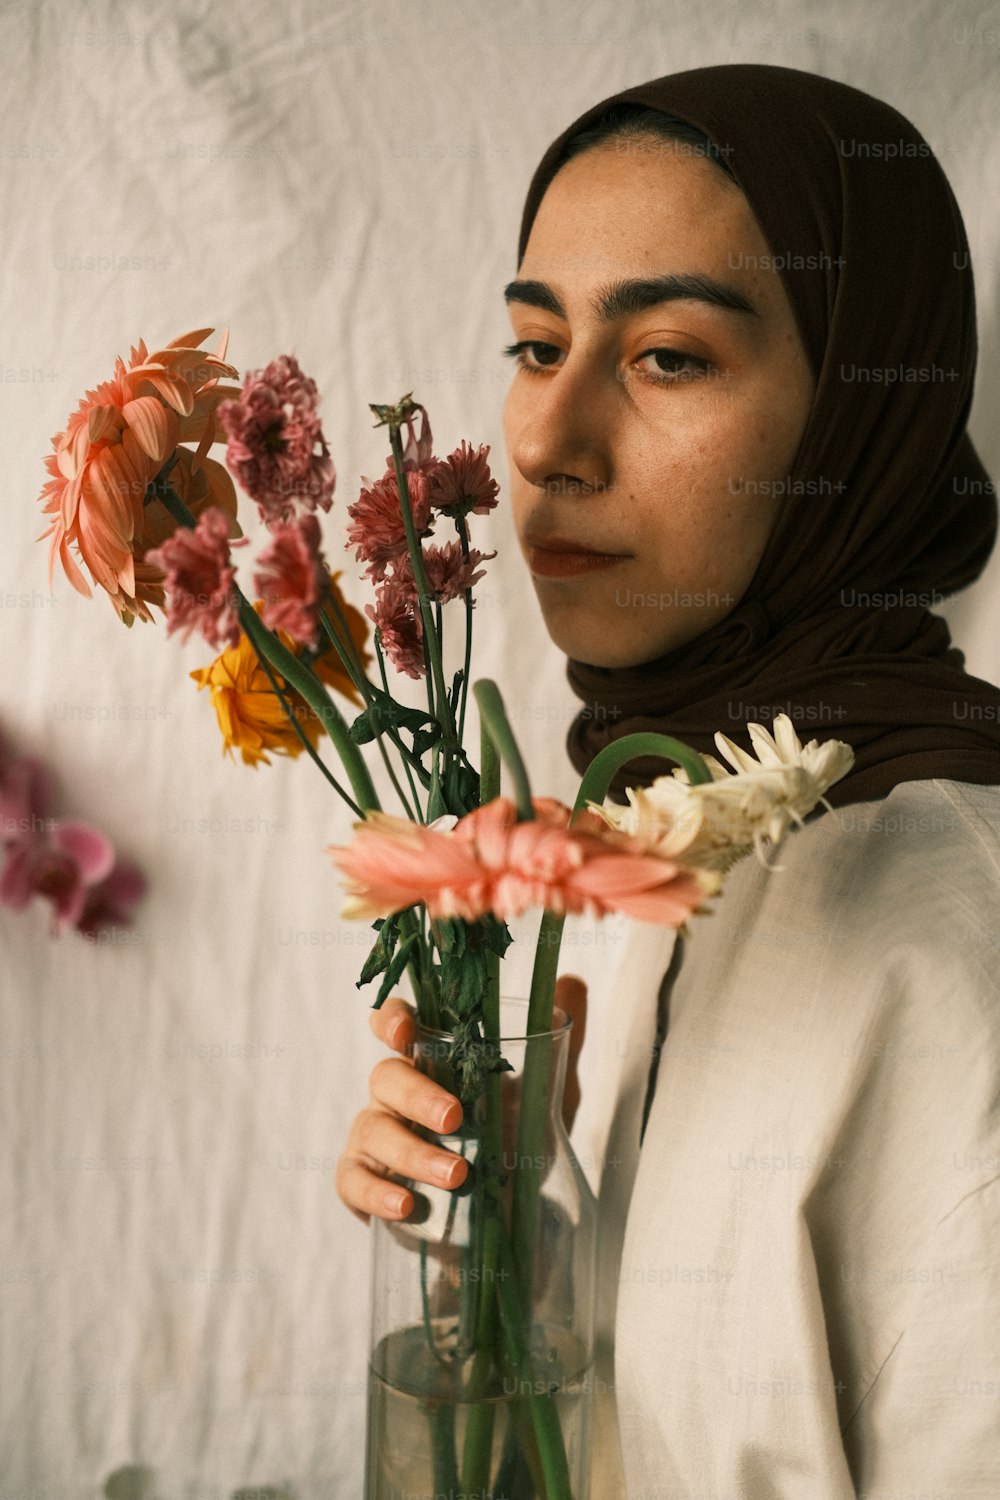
[{"x": 654, "y": 429}]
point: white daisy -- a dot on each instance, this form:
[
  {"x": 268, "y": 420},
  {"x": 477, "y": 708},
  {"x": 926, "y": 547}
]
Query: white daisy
[{"x": 751, "y": 807}]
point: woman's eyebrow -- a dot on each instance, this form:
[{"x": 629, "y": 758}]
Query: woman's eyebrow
[{"x": 623, "y": 298}]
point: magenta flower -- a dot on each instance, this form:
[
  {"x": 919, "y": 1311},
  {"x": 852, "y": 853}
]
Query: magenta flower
[
  {"x": 292, "y": 579},
  {"x": 449, "y": 573},
  {"x": 69, "y": 863},
  {"x": 400, "y": 631},
  {"x": 276, "y": 445},
  {"x": 61, "y": 866},
  {"x": 377, "y": 531},
  {"x": 109, "y": 903},
  {"x": 199, "y": 580},
  {"x": 463, "y": 483}
]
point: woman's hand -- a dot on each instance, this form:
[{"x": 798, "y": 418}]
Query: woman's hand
[{"x": 381, "y": 1140}]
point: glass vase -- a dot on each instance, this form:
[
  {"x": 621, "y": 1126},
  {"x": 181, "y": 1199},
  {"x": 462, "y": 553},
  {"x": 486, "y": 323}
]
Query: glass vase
[{"x": 482, "y": 1318}]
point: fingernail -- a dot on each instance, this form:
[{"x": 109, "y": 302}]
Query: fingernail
[
  {"x": 444, "y": 1114},
  {"x": 394, "y": 1200},
  {"x": 442, "y": 1170}
]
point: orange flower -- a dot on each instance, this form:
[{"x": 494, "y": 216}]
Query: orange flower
[
  {"x": 113, "y": 446},
  {"x": 250, "y": 715}
]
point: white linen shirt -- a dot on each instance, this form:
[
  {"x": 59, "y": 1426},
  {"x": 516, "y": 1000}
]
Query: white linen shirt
[{"x": 806, "y": 1298}]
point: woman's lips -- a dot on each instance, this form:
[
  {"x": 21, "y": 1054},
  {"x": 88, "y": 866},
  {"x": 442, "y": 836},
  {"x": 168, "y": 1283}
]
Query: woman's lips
[{"x": 559, "y": 557}]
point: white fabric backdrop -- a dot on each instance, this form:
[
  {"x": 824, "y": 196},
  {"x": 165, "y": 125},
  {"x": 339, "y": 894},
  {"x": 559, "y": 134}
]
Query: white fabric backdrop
[{"x": 178, "y": 1283}]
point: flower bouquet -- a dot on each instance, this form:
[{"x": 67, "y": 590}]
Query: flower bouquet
[{"x": 482, "y": 1318}]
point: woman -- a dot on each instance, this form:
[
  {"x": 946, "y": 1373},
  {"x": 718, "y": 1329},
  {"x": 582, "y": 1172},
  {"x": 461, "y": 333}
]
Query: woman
[{"x": 741, "y": 479}]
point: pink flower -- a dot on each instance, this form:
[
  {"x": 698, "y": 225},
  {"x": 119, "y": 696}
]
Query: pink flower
[
  {"x": 292, "y": 579},
  {"x": 109, "y": 903},
  {"x": 400, "y": 632},
  {"x": 489, "y": 862},
  {"x": 60, "y": 866},
  {"x": 376, "y": 530},
  {"x": 417, "y": 450},
  {"x": 199, "y": 580},
  {"x": 25, "y": 795},
  {"x": 449, "y": 573},
  {"x": 276, "y": 445},
  {"x": 71, "y": 864},
  {"x": 463, "y": 483}
]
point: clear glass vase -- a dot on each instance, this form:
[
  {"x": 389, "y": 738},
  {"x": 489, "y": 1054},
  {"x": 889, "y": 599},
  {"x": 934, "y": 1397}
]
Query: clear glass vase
[{"x": 480, "y": 1374}]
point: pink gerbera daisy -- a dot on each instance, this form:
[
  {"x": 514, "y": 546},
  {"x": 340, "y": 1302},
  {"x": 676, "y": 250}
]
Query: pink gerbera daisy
[{"x": 492, "y": 863}]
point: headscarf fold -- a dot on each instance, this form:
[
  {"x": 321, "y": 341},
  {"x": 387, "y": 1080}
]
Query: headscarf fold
[{"x": 887, "y": 508}]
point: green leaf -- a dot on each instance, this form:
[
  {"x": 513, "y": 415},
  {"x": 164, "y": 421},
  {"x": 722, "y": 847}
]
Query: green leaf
[
  {"x": 496, "y": 935},
  {"x": 461, "y": 787},
  {"x": 386, "y": 713},
  {"x": 395, "y": 968},
  {"x": 423, "y": 739},
  {"x": 381, "y": 952},
  {"x": 452, "y": 936}
]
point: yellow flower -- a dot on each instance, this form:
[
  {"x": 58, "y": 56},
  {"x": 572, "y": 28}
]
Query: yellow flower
[{"x": 250, "y": 714}]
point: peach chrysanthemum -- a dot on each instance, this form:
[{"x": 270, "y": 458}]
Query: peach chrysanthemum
[
  {"x": 113, "y": 446},
  {"x": 490, "y": 862}
]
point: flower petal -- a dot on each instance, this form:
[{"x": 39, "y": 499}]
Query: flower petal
[
  {"x": 93, "y": 852},
  {"x": 102, "y": 423},
  {"x": 155, "y": 426},
  {"x": 175, "y": 392}
]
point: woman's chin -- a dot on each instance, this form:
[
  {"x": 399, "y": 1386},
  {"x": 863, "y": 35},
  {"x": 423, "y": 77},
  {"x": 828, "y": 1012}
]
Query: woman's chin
[
  {"x": 607, "y": 644},
  {"x": 588, "y": 642}
]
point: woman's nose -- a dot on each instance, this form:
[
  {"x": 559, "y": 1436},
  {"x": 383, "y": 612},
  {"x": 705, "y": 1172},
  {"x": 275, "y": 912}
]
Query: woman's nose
[{"x": 560, "y": 431}]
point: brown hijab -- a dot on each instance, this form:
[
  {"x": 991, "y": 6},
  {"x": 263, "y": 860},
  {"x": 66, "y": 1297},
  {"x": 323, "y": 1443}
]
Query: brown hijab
[{"x": 904, "y": 514}]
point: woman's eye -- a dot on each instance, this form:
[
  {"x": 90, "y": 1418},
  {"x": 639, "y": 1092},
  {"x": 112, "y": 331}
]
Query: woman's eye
[
  {"x": 672, "y": 365},
  {"x": 671, "y": 371},
  {"x": 541, "y": 352}
]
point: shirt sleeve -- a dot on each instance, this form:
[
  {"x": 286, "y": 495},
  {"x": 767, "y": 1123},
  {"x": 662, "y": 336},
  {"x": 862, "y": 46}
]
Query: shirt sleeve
[{"x": 929, "y": 1424}]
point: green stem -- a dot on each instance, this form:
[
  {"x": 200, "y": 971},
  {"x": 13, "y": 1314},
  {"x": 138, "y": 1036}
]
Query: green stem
[
  {"x": 423, "y": 592},
  {"x": 544, "y": 1417},
  {"x": 441, "y": 1416},
  {"x": 408, "y": 757},
  {"x": 307, "y": 743},
  {"x": 463, "y": 532},
  {"x": 602, "y": 769},
  {"x": 532, "y": 1115},
  {"x": 494, "y": 717},
  {"x": 478, "y": 1447},
  {"x": 364, "y": 688},
  {"x": 313, "y": 691}
]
